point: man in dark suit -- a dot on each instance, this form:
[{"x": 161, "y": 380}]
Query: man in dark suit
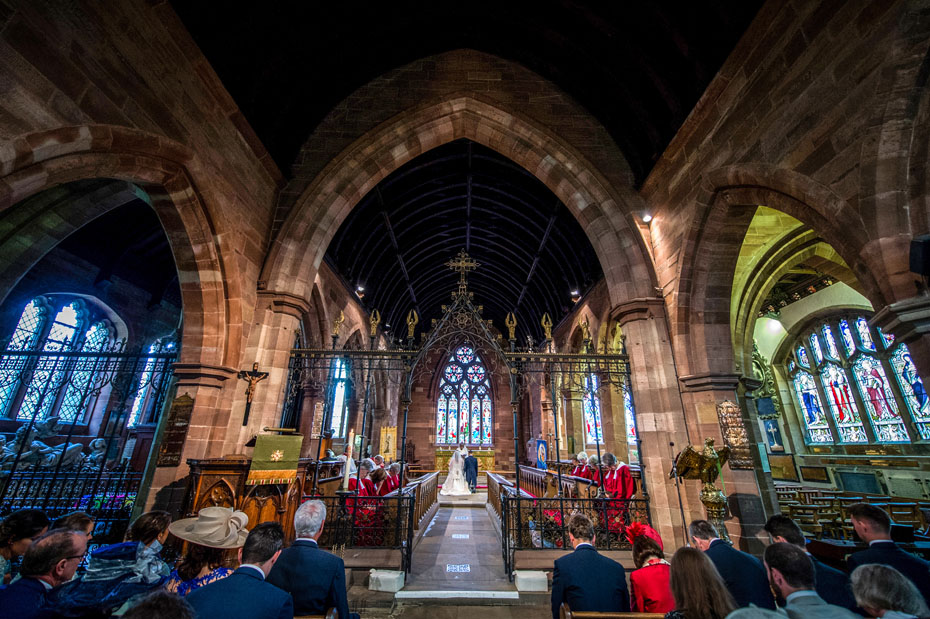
[
  {"x": 50, "y": 561},
  {"x": 873, "y": 526},
  {"x": 743, "y": 574},
  {"x": 471, "y": 472},
  {"x": 791, "y": 573},
  {"x": 585, "y": 579},
  {"x": 244, "y": 594},
  {"x": 315, "y": 579},
  {"x": 832, "y": 585}
]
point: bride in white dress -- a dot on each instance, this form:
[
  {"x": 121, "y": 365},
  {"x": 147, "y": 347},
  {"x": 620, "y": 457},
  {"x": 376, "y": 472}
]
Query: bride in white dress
[{"x": 455, "y": 484}]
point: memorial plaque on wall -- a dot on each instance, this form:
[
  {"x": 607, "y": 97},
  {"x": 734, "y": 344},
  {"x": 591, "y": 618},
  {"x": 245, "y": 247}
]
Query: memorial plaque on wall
[
  {"x": 172, "y": 442},
  {"x": 734, "y": 434}
]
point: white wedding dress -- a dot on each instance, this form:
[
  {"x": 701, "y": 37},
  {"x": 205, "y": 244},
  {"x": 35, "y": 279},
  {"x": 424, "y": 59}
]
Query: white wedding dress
[{"x": 455, "y": 484}]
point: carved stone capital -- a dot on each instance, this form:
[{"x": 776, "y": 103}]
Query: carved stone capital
[
  {"x": 710, "y": 381},
  {"x": 907, "y": 320},
  {"x": 751, "y": 383},
  {"x": 201, "y": 375},
  {"x": 286, "y": 303},
  {"x": 638, "y": 309}
]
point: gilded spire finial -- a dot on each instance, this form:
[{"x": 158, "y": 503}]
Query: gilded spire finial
[
  {"x": 337, "y": 323},
  {"x": 412, "y": 320},
  {"x": 546, "y": 323},
  {"x": 511, "y": 322},
  {"x": 373, "y": 321},
  {"x": 463, "y": 263}
]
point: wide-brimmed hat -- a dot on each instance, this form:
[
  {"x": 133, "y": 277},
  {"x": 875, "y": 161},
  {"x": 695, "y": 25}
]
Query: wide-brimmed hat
[{"x": 215, "y": 527}]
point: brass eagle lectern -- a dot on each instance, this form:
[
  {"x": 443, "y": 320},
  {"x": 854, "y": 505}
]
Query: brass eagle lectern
[{"x": 706, "y": 466}]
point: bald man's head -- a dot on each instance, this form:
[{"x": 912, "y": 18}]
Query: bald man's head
[{"x": 55, "y": 556}]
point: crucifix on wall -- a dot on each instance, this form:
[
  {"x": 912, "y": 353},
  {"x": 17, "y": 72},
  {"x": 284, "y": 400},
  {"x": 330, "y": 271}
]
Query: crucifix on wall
[{"x": 253, "y": 377}]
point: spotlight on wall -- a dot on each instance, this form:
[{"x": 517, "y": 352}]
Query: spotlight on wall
[
  {"x": 647, "y": 218},
  {"x": 576, "y": 295},
  {"x": 360, "y": 291}
]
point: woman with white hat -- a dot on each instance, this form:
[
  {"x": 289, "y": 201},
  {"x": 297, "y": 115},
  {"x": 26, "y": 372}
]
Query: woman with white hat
[{"x": 210, "y": 535}]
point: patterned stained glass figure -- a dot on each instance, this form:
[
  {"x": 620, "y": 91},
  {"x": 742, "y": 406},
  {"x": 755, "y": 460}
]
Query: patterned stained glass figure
[
  {"x": 815, "y": 346},
  {"x": 591, "y": 405},
  {"x": 842, "y": 404},
  {"x": 832, "y": 350},
  {"x": 912, "y": 386},
  {"x": 865, "y": 336},
  {"x": 792, "y": 366},
  {"x": 886, "y": 338},
  {"x": 879, "y": 401},
  {"x": 802, "y": 357},
  {"x": 818, "y": 430},
  {"x": 631, "y": 438},
  {"x": 846, "y": 336},
  {"x": 25, "y": 337},
  {"x": 463, "y": 409},
  {"x": 43, "y": 388}
]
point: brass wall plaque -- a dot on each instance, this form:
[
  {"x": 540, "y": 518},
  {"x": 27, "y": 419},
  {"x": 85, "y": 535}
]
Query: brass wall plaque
[{"x": 172, "y": 442}]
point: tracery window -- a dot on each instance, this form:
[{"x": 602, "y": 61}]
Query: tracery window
[
  {"x": 50, "y": 385},
  {"x": 145, "y": 404},
  {"x": 853, "y": 379},
  {"x": 463, "y": 408},
  {"x": 591, "y": 407},
  {"x": 630, "y": 413}
]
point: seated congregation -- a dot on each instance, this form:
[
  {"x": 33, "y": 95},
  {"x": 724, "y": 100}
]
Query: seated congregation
[
  {"x": 131, "y": 579},
  {"x": 709, "y": 579}
]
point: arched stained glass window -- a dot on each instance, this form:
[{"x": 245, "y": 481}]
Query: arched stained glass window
[
  {"x": 50, "y": 373},
  {"x": 802, "y": 357},
  {"x": 832, "y": 351},
  {"x": 591, "y": 407},
  {"x": 842, "y": 404},
  {"x": 913, "y": 389},
  {"x": 145, "y": 404},
  {"x": 25, "y": 337},
  {"x": 815, "y": 346},
  {"x": 846, "y": 335},
  {"x": 818, "y": 430},
  {"x": 463, "y": 406},
  {"x": 862, "y": 328},
  {"x": 340, "y": 401}
]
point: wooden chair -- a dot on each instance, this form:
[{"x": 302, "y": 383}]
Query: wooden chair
[
  {"x": 567, "y": 613},
  {"x": 331, "y": 613},
  {"x": 807, "y": 518},
  {"x": 907, "y": 513}
]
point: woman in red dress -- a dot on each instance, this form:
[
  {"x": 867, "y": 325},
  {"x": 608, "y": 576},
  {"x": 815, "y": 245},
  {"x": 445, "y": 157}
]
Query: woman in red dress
[{"x": 650, "y": 591}]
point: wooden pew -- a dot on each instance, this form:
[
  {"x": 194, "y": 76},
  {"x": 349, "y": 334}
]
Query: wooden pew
[{"x": 567, "y": 613}]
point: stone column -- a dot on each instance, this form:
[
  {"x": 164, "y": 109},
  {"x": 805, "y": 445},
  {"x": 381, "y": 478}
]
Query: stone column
[
  {"x": 660, "y": 416},
  {"x": 212, "y": 388},
  {"x": 909, "y": 322},
  {"x": 702, "y": 393}
]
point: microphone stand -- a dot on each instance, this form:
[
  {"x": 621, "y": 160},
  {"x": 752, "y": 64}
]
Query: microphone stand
[{"x": 681, "y": 508}]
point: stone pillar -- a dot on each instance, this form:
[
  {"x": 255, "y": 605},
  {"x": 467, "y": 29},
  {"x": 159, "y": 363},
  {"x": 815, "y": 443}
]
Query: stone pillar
[
  {"x": 660, "y": 416},
  {"x": 702, "y": 393},
  {"x": 211, "y": 387}
]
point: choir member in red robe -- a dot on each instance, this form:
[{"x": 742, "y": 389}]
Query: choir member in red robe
[{"x": 581, "y": 465}]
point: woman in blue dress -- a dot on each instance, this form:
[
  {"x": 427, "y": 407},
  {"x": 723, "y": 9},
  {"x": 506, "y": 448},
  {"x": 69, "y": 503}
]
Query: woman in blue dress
[{"x": 209, "y": 537}]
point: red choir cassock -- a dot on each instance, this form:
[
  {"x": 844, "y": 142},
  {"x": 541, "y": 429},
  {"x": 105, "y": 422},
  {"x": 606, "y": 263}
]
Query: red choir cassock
[
  {"x": 593, "y": 473},
  {"x": 368, "y": 526},
  {"x": 618, "y": 482},
  {"x": 580, "y": 471},
  {"x": 395, "y": 481}
]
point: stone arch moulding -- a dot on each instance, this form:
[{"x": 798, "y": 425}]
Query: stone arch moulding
[
  {"x": 725, "y": 206},
  {"x": 166, "y": 171},
  {"x": 602, "y": 210}
]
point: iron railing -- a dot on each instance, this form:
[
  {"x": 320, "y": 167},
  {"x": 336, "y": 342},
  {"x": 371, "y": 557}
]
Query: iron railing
[
  {"x": 71, "y": 412},
  {"x": 530, "y": 523},
  {"x": 370, "y": 522}
]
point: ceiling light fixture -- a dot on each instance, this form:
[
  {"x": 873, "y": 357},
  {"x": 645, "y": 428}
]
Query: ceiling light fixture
[{"x": 647, "y": 218}]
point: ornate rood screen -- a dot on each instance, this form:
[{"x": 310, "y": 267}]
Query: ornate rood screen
[{"x": 334, "y": 372}]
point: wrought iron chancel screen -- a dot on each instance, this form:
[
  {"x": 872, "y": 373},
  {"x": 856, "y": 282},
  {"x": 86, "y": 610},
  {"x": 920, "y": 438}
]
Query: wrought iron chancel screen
[{"x": 464, "y": 407}]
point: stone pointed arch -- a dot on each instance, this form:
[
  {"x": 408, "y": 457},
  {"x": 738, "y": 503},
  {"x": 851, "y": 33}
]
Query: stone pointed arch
[
  {"x": 166, "y": 172},
  {"x": 726, "y": 204},
  {"x": 604, "y": 211}
]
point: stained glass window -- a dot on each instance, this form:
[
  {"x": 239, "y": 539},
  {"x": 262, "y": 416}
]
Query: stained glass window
[
  {"x": 591, "y": 405},
  {"x": 818, "y": 431},
  {"x": 815, "y": 346},
  {"x": 887, "y": 338},
  {"x": 463, "y": 408},
  {"x": 842, "y": 404},
  {"x": 631, "y": 437},
  {"x": 25, "y": 337},
  {"x": 802, "y": 357},
  {"x": 832, "y": 350},
  {"x": 846, "y": 335},
  {"x": 143, "y": 408},
  {"x": 340, "y": 401},
  {"x": 913, "y": 389},
  {"x": 879, "y": 401},
  {"x": 862, "y": 328}
]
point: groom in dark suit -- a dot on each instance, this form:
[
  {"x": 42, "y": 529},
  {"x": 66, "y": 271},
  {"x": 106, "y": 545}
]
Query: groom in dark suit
[{"x": 471, "y": 472}]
